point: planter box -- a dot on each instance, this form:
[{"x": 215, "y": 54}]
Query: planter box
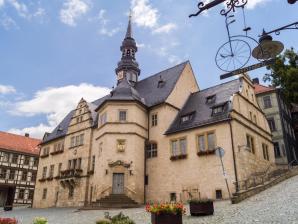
[
  {"x": 203, "y": 208},
  {"x": 165, "y": 218}
]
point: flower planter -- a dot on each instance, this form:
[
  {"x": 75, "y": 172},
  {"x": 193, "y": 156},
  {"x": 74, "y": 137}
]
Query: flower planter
[
  {"x": 166, "y": 218},
  {"x": 201, "y": 208}
]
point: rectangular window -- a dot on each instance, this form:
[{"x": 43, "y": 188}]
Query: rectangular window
[
  {"x": 255, "y": 119},
  {"x": 218, "y": 194},
  {"x": 151, "y": 150},
  {"x": 72, "y": 142},
  {"x": 81, "y": 139},
  {"x": 154, "y": 120},
  {"x": 103, "y": 118},
  {"x": 24, "y": 175},
  {"x": 265, "y": 151},
  {"x": 35, "y": 161},
  {"x": 26, "y": 160},
  {"x": 120, "y": 145},
  {"x": 44, "y": 172},
  {"x": 44, "y": 193},
  {"x": 51, "y": 173},
  {"x": 271, "y": 124},
  {"x": 77, "y": 140},
  {"x": 210, "y": 99},
  {"x": 174, "y": 147},
  {"x": 33, "y": 177},
  {"x": 179, "y": 147},
  {"x": 250, "y": 115},
  {"x": 12, "y": 174},
  {"x": 182, "y": 146},
  {"x": 15, "y": 158},
  {"x": 201, "y": 141},
  {"x": 5, "y": 157},
  {"x": 59, "y": 169},
  {"x": 21, "y": 193},
  {"x": 3, "y": 173},
  {"x": 79, "y": 164},
  {"x": 276, "y": 150},
  {"x": 122, "y": 115},
  {"x": 267, "y": 102},
  {"x": 93, "y": 163},
  {"x": 218, "y": 110},
  {"x": 250, "y": 143},
  {"x": 187, "y": 117},
  {"x": 146, "y": 180},
  {"x": 30, "y": 196},
  {"x": 206, "y": 142}
]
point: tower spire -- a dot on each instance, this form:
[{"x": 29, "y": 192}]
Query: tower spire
[
  {"x": 128, "y": 67},
  {"x": 129, "y": 30}
]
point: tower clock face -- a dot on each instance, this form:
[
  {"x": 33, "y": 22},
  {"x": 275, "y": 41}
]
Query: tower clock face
[{"x": 120, "y": 75}]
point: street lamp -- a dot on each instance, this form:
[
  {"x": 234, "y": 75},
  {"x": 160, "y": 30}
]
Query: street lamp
[
  {"x": 243, "y": 146},
  {"x": 267, "y": 48}
]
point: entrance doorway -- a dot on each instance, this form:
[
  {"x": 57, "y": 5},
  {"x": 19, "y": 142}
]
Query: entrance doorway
[{"x": 118, "y": 183}]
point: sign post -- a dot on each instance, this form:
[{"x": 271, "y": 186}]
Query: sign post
[
  {"x": 248, "y": 68},
  {"x": 220, "y": 152}
]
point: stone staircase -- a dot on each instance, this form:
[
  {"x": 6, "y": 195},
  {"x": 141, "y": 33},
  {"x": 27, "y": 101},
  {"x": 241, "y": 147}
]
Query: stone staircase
[{"x": 115, "y": 201}]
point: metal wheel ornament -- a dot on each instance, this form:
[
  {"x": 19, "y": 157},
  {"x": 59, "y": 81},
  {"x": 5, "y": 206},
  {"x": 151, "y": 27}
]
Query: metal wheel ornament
[{"x": 233, "y": 55}]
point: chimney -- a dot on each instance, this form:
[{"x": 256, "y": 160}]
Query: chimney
[
  {"x": 255, "y": 81},
  {"x": 27, "y": 135}
]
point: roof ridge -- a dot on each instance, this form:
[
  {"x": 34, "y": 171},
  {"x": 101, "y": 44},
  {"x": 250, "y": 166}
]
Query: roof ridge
[
  {"x": 216, "y": 86},
  {"x": 9, "y": 133},
  {"x": 185, "y": 62},
  {"x": 266, "y": 86}
]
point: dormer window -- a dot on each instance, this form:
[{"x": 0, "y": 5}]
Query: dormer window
[
  {"x": 210, "y": 99},
  {"x": 217, "y": 110},
  {"x": 160, "y": 83},
  {"x": 187, "y": 117}
]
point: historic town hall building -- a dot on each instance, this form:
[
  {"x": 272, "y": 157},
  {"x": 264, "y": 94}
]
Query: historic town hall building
[{"x": 154, "y": 139}]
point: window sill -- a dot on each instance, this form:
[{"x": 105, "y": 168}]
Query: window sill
[
  {"x": 76, "y": 146},
  {"x": 183, "y": 156},
  {"x": 44, "y": 156},
  {"x": 57, "y": 152},
  {"x": 42, "y": 180},
  {"x": 207, "y": 152}
]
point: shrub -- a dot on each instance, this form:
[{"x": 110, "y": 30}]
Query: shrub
[
  {"x": 117, "y": 219},
  {"x": 103, "y": 221},
  {"x": 171, "y": 208},
  {"x": 40, "y": 220},
  {"x": 8, "y": 221}
]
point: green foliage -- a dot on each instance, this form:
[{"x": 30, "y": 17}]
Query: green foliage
[
  {"x": 117, "y": 219},
  {"x": 284, "y": 74},
  {"x": 40, "y": 220},
  {"x": 103, "y": 221}
]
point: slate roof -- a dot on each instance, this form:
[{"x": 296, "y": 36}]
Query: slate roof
[
  {"x": 19, "y": 143},
  {"x": 145, "y": 91},
  {"x": 202, "y": 112}
]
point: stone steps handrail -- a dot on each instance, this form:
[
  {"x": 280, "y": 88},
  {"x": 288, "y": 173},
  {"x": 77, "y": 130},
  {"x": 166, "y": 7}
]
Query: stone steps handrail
[
  {"x": 105, "y": 190},
  {"x": 130, "y": 190}
]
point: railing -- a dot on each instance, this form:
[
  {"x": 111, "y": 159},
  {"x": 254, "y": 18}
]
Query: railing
[
  {"x": 106, "y": 192},
  {"x": 129, "y": 192},
  {"x": 71, "y": 173}
]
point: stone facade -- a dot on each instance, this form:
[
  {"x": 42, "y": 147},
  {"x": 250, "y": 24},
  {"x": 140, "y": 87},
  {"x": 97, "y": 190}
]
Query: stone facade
[
  {"x": 278, "y": 114},
  {"x": 127, "y": 147}
]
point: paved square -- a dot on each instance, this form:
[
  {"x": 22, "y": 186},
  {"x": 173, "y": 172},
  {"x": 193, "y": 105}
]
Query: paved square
[{"x": 276, "y": 205}]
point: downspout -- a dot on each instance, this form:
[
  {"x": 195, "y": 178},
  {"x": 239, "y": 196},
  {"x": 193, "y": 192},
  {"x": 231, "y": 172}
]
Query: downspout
[
  {"x": 88, "y": 168},
  {"x": 234, "y": 156},
  {"x": 145, "y": 159}
]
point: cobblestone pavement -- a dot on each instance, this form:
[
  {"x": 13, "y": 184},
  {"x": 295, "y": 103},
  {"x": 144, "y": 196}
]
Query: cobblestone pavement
[{"x": 278, "y": 204}]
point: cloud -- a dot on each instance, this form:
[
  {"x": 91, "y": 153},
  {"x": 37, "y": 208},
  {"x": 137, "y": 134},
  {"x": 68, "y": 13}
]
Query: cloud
[
  {"x": 104, "y": 30},
  {"x": 34, "y": 131},
  {"x": 144, "y": 14},
  {"x": 165, "y": 28},
  {"x": 72, "y": 10},
  {"x": 7, "y": 89},
  {"x": 251, "y": 4},
  {"x": 1, "y": 3},
  {"x": 55, "y": 103},
  {"x": 21, "y": 8}
]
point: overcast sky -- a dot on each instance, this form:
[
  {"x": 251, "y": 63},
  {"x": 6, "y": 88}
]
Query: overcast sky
[{"x": 54, "y": 52}]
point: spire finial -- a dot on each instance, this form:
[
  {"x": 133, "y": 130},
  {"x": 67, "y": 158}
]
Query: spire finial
[{"x": 129, "y": 31}]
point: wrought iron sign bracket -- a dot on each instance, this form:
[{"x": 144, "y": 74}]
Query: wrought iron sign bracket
[
  {"x": 231, "y": 5},
  {"x": 292, "y": 26}
]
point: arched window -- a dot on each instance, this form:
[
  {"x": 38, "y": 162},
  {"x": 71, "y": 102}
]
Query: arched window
[{"x": 151, "y": 150}]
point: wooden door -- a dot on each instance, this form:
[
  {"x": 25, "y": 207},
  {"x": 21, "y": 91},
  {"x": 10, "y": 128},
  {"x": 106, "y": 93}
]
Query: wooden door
[{"x": 118, "y": 183}]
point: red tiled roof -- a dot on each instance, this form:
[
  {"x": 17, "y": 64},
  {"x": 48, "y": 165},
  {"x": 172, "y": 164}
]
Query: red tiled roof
[
  {"x": 19, "y": 143},
  {"x": 262, "y": 89}
]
